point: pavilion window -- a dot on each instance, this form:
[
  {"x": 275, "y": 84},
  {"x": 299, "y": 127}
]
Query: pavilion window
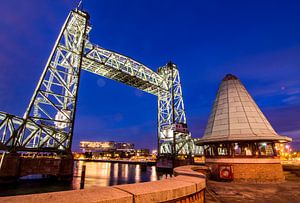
[
  {"x": 248, "y": 150},
  {"x": 269, "y": 149},
  {"x": 266, "y": 149},
  {"x": 237, "y": 149},
  {"x": 274, "y": 149},
  {"x": 243, "y": 149},
  {"x": 222, "y": 150},
  {"x": 208, "y": 150}
]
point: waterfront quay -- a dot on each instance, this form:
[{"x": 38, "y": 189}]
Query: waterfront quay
[
  {"x": 187, "y": 185},
  {"x": 158, "y": 190},
  {"x": 285, "y": 191},
  {"x": 97, "y": 174}
]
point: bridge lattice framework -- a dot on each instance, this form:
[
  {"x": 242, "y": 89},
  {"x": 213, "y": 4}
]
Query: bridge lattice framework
[{"x": 48, "y": 123}]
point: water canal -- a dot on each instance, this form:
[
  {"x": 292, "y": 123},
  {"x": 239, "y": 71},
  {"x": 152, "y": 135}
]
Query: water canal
[{"x": 97, "y": 174}]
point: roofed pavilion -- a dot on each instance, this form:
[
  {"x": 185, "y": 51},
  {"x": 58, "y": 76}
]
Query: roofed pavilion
[{"x": 239, "y": 141}]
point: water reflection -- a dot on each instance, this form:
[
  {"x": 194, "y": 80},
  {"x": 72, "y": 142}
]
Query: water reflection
[
  {"x": 97, "y": 174},
  {"x": 116, "y": 173},
  {"x": 126, "y": 172},
  {"x": 153, "y": 176},
  {"x": 107, "y": 174},
  {"x": 137, "y": 173}
]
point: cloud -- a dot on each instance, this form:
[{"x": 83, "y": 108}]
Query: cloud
[
  {"x": 283, "y": 118},
  {"x": 274, "y": 88},
  {"x": 275, "y": 65},
  {"x": 295, "y": 135},
  {"x": 292, "y": 100}
]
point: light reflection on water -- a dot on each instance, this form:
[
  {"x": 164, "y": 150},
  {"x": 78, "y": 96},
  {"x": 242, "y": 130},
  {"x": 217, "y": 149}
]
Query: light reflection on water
[
  {"x": 97, "y": 174},
  {"x": 107, "y": 174}
]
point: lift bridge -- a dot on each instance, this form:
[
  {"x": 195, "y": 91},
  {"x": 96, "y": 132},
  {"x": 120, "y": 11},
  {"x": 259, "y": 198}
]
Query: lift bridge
[{"x": 48, "y": 123}]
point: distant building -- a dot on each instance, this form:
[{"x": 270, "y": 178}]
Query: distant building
[
  {"x": 123, "y": 146},
  {"x": 91, "y": 146},
  {"x": 111, "y": 149},
  {"x": 142, "y": 152}
]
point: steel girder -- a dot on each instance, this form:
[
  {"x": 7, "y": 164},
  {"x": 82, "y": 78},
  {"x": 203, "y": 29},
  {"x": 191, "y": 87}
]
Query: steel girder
[
  {"x": 48, "y": 122},
  {"x": 123, "y": 69},
  {"x": 18, "y": 134}
]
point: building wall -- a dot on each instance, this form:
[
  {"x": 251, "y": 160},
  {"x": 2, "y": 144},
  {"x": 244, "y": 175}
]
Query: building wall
[
  {"x": 91, "y": 146},
  {"x": 258, "y": 172},
  {"x": 250, "y": 172}
]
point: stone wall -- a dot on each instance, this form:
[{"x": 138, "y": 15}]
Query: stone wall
[
  {"x": 258, "y": 172},
  {"x": 13, "y": 166},
  {"x": 188, "y": 186},
  {"x": 250, "y": 170}
]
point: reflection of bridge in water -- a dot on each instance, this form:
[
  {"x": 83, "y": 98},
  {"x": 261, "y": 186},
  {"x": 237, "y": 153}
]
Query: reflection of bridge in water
[{"x": 48, "y": 123}]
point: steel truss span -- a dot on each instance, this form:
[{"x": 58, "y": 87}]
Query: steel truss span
[{"x": 48, "y": 123}]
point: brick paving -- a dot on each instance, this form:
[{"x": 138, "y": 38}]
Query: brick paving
[{"x": 225, "y": 192}]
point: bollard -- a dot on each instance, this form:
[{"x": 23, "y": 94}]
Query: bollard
[{"x": 82, "y": 176}]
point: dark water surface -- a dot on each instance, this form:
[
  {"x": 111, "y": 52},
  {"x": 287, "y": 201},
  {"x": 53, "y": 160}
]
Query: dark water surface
[{"x": 97, "y": 174}]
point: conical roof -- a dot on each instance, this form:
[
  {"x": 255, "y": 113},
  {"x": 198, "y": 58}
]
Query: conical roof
[{"x": 236, "y": 117}]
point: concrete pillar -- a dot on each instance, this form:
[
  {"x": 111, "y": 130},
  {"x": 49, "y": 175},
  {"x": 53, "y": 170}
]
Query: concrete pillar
[
  {"x": 66, "y": 168},
  {"x": 9, "y": 166}
]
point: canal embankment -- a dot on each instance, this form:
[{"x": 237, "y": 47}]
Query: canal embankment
[
  {"x": 97, "y": 174},
  {"x": 186, "y": 186}
]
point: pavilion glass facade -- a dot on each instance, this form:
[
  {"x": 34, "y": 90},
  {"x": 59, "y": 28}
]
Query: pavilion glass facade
[{"x": 240, "y": 149}]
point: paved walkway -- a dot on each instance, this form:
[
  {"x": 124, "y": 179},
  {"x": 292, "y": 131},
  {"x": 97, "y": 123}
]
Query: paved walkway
[{"x": 224, "y": 192}]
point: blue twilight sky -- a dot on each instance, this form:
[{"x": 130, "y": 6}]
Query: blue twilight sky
[{"x": 259, "y": 41}]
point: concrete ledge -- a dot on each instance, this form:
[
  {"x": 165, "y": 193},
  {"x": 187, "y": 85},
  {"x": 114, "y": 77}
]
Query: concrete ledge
[
  {"x": 199, "y": 183},
  {"x": 159, "y": 191},
  {"x": 95, "y": 195},
  {"x": 191, "y": 170},
  {"x": 186, "y": 186},
  {"x": 185, "y": 183},
  {"x": 244, "y": 160}
]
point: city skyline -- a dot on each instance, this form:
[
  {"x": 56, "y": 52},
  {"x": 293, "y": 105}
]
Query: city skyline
[{"x": 262, "y": 50}]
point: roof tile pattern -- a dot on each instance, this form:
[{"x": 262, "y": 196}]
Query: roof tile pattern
[{"x": 235, "y": 116}]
